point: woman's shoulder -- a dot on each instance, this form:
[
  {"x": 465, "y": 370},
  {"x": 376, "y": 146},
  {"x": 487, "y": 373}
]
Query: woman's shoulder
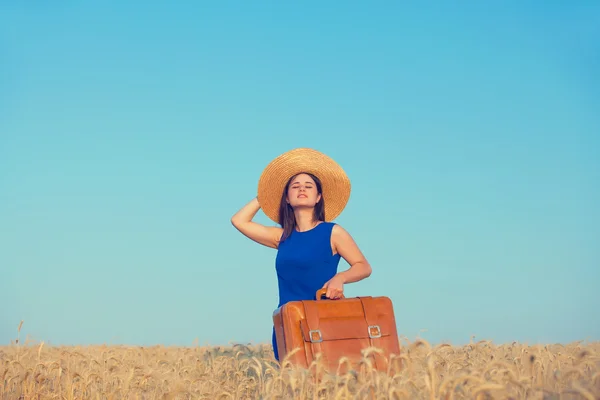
[
  {"x": 337, "y": 230},
  {"x": 328, "y": 225},
  {"x": 332, "y": 224}
]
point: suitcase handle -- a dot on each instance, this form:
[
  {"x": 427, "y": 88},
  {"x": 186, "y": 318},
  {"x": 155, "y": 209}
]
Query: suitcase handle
[{"x": 321, "y": 292}]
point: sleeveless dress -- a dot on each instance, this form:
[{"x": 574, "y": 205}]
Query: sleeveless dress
[{"x": 303, "y": 264}]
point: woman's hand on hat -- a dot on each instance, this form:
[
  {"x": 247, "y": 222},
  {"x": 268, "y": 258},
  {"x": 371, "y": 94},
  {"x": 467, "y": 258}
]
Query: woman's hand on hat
[{"x": 335, "y": 287}]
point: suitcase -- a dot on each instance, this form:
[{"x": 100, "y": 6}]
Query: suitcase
[{"x": 338, "y": 330}]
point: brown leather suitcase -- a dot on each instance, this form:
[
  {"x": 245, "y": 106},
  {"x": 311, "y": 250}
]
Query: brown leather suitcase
[{"x": 337, "y": 329}]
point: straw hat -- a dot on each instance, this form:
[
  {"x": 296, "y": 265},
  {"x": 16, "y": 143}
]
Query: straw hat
[{"x": 335, "y": 182}]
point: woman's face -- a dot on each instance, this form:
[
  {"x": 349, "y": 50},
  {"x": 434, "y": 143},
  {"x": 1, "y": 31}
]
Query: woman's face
[{"x": 302, "y": 192}]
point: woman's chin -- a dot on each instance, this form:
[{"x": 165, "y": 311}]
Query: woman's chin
[{"x": 303, "y": 204}]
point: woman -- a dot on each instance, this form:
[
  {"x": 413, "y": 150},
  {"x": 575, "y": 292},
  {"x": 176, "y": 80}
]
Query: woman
[{"x": 304, "y": 190}]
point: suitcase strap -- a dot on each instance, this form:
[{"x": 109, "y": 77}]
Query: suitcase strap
[
  {"x": 312, "y": 319},
  {"x": 373, "y": 329}
]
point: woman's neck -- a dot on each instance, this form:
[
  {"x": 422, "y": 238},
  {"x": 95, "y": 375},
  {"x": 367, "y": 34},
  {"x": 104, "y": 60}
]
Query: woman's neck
[{"x": 305, "y": 220}]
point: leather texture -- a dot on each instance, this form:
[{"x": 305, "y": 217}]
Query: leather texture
[{"x": 337, "y": 330}]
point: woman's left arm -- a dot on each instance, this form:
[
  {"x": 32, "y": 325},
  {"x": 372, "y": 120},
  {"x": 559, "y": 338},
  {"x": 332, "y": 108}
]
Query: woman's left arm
[{"x": 343, "y": 244}]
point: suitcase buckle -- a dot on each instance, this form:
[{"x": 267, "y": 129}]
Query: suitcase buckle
[
  {"x": 377, "y": 333},
  {"x": 318, "y": 332}
]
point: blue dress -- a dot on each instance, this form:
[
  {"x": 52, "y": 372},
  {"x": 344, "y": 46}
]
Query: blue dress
[{"x": 303, "y": 264}]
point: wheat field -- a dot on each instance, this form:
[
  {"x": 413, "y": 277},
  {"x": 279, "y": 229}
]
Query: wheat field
[{"x": 479, "y": 370}]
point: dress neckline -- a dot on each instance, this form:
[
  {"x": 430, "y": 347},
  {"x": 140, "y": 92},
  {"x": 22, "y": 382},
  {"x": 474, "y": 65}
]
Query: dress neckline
[{"x": 311, "y": 229}]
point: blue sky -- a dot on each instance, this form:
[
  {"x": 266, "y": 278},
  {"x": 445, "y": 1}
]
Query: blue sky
[{"x": 130, "y": 134}]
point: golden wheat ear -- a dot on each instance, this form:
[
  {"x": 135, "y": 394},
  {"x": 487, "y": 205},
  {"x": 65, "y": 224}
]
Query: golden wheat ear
[{"x": 19, "y": 331}]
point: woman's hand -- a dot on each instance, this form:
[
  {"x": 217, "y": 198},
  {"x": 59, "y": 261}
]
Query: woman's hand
[{"x": 335, "y": 287}]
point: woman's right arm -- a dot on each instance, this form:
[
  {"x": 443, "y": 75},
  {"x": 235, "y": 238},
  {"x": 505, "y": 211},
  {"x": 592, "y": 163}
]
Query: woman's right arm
[{"x": 265, "y": 235}]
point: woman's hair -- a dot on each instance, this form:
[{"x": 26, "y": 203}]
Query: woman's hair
[{"x": 287, "y": 218}]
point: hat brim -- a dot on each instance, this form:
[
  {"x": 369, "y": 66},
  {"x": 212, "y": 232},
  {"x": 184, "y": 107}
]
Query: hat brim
[{"x": 335, "y": 183}]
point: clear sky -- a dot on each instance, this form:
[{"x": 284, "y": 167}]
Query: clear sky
[{"x": 131, "y": 133}]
